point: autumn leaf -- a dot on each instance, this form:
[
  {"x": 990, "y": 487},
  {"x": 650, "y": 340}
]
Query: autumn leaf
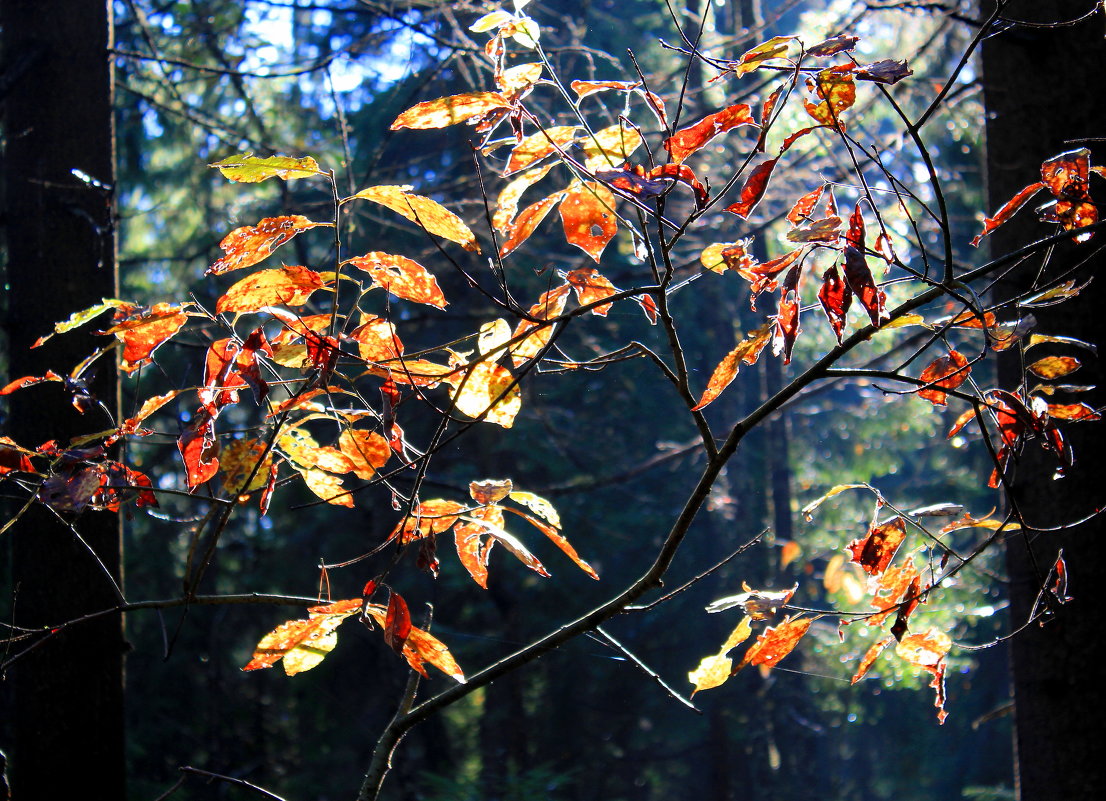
[
  {"x": 688, "y": 140},
  {"x": 557, "y": 538},
  {"x": 433, "y": 217},
  {"x": 427, "y": 519},
  {"x": 403, "y": 277},
  {"x": 1072, "y": 412},
  {"x": 199, "y": 450},
  {"x": 79, "y": 318},
  {"x": 326, "y": 486},
  {"x": 250, "y": 244},
  {"x": 14, "y": 458},
  {"x": 538, "y": 146},
  {"x": 825, "y": 230},
  {"x": 928, "y": 651},
  {"x": 549, "y": 306},
  {"x": 288, "y": 286},
  {"x": 863, "y": 285},
  {"x": 377, "y": 340},
  {"x": 805, "y": 205},
  {"x": 870, "y": 657},
  {"x": 420, "y": 647},
  {"x": 776, "y": 47},
  {"x": 610, "y": 146},
  {"x": 397, "y": 623},
  {"x": 242, "y": 460},
  {"x": 713, "y": 671},
  {"x": 474, "y": 542},
  {"x": 874, "y": 551},
  {"x": 588, "y": 88},
  {"x": 527, "y": 220},
  {"x": 145, "y": 331},
  {"x": 1053, "y": 367},
  {"x": 488, "y": 391},
  {"x": 754, "y": 188},
  {"x": 747, "y": 352},
  {"x": 887, "y": 72},
  {"x": 366, "y": 451},
  {"x": 835, "y": 92},
  {"x": 775, "y": 643},
  {"x": 591, "y": 287},
  {"x": 832, "y": 46},
  {"x": 507, "y": 203},
  {"x": 450, "y": 110},
  {"x": 587, "y": 214},
  {"x": 719, "y": 258},
  {"x": 249, "y": 169},
  {"x": 787, "y": 318},
  {"x": 835, "y": 297},
  {"x": 947, "y": 372},
  {"x": 516, "y": 81},
  {"x": 758, "y": 604}
]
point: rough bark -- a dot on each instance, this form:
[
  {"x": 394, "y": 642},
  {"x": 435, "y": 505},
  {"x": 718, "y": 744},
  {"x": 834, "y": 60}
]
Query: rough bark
[
  {"x": 60, "y": 258},
  {"x": 1043, "y": 91}
]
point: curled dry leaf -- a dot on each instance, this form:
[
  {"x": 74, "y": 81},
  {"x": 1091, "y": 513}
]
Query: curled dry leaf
[
  {"x": 870, "y": 657},
  {"x": 928, "y": 651},
  {"x": 747, "y": 352},
  {"x": 758, "y": 604},
  {"x": 250, "y": 244}
]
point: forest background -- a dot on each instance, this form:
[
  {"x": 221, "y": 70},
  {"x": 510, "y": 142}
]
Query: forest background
[{"x": 199, "y": 81}]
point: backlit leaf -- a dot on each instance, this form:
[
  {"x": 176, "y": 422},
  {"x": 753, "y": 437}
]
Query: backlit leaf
[
  {"x": 403, "y": 277},
  {"x": 450, "y": 110},
  {"x": 250, "y": 244},
  {"x": 758, "y": 604},
  {"x": 549, "y": 306},
  {"x": 835, "y": 297},
  {"x": 874, "y": 551},
  {"x": 832, "y": 46},
  {"x": 538, "y": 505},
  {"x": 326, "y": 486},
  {"x": 367, "y": 451},
  {"x": 688, "y": 140},
  {"x": 527, "y": 220},
  {"x": 558, "y": 539},
  {"x": 754, "y": 188},
  {"x": 473, "y": 542},
  {"x": 249, "y": 169},
  {"x": 928, "y": 651},
  {"x": 805, "y": 205},
  {"x": 377, "y": 340},
  {"x": 487, "y": 388},
  {"x": 610, "y": 146},
  {"x": 591, "y": 287},
  {"x": 79, "y": 318},
  {"x": 513, "y": 81},
  {"x": 1072, "y": 411},
  {"x": 245, "y": 459},
  {"x": 714, "y": 670},
  {"x": 507, "y": 203},
  {"x": 747, "y": 352},
  {"x": 826, "y": 229},
  {"x": 427, "y": 519},
  {"x": 870, "y": 657},
  {"x": 429, "y": 214},
  {"x": 587, "y": 88},
  {"x": 145, "y": 332},
  {"x": 397, "y": 623},
  {"x": 537, "y": 146},
  {"x": 863, "y": 285},
  {"x": 776, "y": 47},
  {"x": 725, "y": 256},
  {"x": 287, "y": 286},
  {"x": 587, "y": 214},
  {"x": 421, "y": 647},
  {"x": 835, "y": 92},
  {"x": 947, "y": 372},
  {"x": 1052, "y": 367},
  {"x": 199, "y": 450},
  {"x": 1008, "y": 210},
  {"x": 776, "y": 643},
  {"x": 302, "y": 644}
]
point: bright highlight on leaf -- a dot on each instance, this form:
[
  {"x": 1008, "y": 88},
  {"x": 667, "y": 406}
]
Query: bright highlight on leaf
[
  {"x": 433, "y": 217},
  {"x": 451, "y": 110},
  {"x": 249, "y": 169},
  {"x": 246, "y": 246}
]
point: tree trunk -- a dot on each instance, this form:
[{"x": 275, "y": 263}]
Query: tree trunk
[
  {"x": 57, "y": 83},
  {"x": 1043, "y": 92}
]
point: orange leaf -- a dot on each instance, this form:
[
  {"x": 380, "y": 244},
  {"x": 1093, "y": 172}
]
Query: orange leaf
[
  {"x": 507, "y": 203},
  {"x": 489, "y": 391},
  {"x": 450, "y": 110},
  {"x": 747, "y": 352},
  {"x": 836, "y": 92},
  {"x": 529, "y": 219},
  {"x": 537, "y": 146},
  {"x": 145, "y": 332},
  {"x": 719, "y": 258},
  {"x": 1072, "y": 411},
  {"x": 609, "y": 147},
  {"x": 1008, "y": 210},
  {"x": 688, "y": 140},
  {"x": 587, "y": 88},
  {"x": 947, "y": 372},
  {"x": 367, "y": 451},
  {"x": 549, "y": 306},
  {"x": 754, "y": 188},
  {"x": 587, "y": 214},
  {"x": 199, "y": 449},
  {"x": 427, "y": 519},
  {"x": 928, "y": 651},
  {"x": 377, "y": 340},
  {"x": 421, "y": 647},
  {"x": 433, "y": 217},
  {"x": 1052, "y": 367},
  {"x": 288, "y": 286},
  {"x": 591, "y": 287},
  {"x": 558, "y": 539},
  {"x": 302, "y": 644},
  {"x": 870, "y": 658},
  {"x": 474, "y": 541},
  {"x": 776, "y": 643},
  {"x": 250, "y": 244},
  {"x": 245, "y": 459},
  {"x": 402, "y": 277},
  {"x": 875, "y": 551}
]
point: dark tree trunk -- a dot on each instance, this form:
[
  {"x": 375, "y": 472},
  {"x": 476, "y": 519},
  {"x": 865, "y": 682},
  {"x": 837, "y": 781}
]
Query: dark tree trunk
[
  {"x": 1043, "y": 92},
  {"x": 57, "y": 82}
]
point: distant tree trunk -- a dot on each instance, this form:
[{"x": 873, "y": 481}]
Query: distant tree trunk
[
  {"x": 60, "y": 258},
  {"x": 1043, "y": 91}
]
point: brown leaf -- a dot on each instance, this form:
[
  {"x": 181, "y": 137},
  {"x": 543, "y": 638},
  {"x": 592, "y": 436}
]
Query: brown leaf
[
  {"x": 250, "y": 244},
  {"x": 805, "y": 205},
  {"x": 402, "y": 277},
  {"x": 1053, "y": 367},
  {"x": 1008, "y": 210},
  {"x": 888, "y": 72},
  {"x": 421, "y": 647}
]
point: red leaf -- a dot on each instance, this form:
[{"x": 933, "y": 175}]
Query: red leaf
[
  {"x": 864, "y": 286},
  {"x": 787, "y": 318},
  {"x": 250, "y": 244},
  {"x": 199, "y": 449},
  {"x": 805, "y": 205},
  {"x": 875, "y": 551},
  {"x": 397, "y": 625},
  {"x": 1008, "y": 210},
  {"x": 688, "y": 140},
  {"x": 12, "y": 457},
  {"x": 145, "y": 331},
  {"x": 754, "y": 188},
  {"x": 947, "y": 372},
  {"x": 775, "y": 643},
  {"x": 835, "y": 297}
]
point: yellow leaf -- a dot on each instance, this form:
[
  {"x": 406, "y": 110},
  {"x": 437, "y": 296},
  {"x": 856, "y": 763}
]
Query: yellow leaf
[
  {"x": 302, "y": 644},
  {"x": 431, "y": 215},
  {"x": 450, "y": 110},
  {"x": 487, "y": 387},
  {"x": 537, "y": 146},
  {"x": 287, "y": 286},
  {"x": 249, "y": 169},
  {"x": 610, "y": 147}
]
